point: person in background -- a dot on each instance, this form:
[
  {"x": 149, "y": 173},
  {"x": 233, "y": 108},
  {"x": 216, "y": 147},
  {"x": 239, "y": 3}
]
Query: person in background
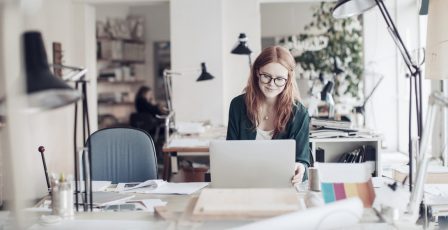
[
  {"x": 145, "y": 102},
  {"x": 270, "y": 107}
]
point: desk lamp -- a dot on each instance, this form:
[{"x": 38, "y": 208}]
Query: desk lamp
[
  {"x": 45, "y": 91},
  {"x": 242, "y": 48},
  {"x": 326, "y": 96},
  {"x": 436, "y": 69},
  {"x": 167, "y": 76},
  {"x": 361, "y": 108},
  {"x": 348, "y": 8}
]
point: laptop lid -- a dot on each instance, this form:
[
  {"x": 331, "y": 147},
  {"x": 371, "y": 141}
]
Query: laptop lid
[{"x": 252, "y": 163}]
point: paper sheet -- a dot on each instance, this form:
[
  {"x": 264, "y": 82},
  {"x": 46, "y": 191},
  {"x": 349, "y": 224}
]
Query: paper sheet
[
  {"x": 97, "y": 186},
  {"x": 150, "y": 184},
  {"x": 189, "y": 127},
  {"x": 172, "y": 188},
  {"x": 148, "y": 204}
]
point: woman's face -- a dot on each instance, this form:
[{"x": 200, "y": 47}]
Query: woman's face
[{"x": 272, "y": 79}]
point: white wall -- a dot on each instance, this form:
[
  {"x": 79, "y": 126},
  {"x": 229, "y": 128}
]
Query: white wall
[
  {"x": 280, "y": 19},
  {"x": 197, "y": 36},
  {"x": 103, "y": 12},
  {"x": 157, "y": 28},
  {"x": 380, "y": 57}
]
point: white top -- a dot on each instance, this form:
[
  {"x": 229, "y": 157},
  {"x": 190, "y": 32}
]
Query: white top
[{"x": 264, "y": 135}]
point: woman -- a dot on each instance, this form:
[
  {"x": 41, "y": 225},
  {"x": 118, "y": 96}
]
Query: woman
[
  {"x": 144, "y": 102},
  {"x": 269, "y": 108}
]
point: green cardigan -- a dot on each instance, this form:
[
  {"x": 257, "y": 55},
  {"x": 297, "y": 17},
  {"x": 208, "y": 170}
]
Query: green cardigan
[{"x": 297, "y": 128}]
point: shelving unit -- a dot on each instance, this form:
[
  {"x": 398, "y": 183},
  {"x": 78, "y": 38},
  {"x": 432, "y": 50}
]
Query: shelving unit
[
  {"x": 335, "y": 147},
  {"x": 121, "y": 68}
]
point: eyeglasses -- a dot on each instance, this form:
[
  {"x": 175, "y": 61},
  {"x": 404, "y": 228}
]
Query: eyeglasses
[{"x": 266, "y": 79}]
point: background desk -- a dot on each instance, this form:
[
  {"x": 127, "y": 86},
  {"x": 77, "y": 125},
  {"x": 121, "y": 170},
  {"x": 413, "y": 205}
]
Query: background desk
[
  {"x": 170, "y": 151},
  {"x": 334, "y": 148}
]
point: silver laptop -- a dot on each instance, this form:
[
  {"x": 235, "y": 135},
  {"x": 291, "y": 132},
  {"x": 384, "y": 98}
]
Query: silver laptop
[{"x": 252, "y": 164}]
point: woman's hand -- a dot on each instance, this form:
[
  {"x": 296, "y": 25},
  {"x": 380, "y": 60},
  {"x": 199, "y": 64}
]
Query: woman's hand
[{"x": 299, "y": 172}]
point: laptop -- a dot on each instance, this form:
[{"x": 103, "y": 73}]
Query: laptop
[{"x": 252, "y": 163}]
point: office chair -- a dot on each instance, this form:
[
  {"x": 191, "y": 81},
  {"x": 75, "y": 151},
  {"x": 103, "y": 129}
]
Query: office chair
[{"x": 122, "y": 155}]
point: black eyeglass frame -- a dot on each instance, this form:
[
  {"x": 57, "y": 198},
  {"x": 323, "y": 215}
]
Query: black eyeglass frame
[{"x": 265, "y": 75}]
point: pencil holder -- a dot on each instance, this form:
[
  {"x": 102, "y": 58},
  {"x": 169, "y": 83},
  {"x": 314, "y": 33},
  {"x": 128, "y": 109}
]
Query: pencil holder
[
  {"x": 314, "y": 182},
  {"x": 62, "y": 199}
]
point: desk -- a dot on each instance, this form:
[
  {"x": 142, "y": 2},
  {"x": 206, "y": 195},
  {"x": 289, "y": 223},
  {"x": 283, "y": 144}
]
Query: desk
[
  {"x": 180, "y": 219},
  {"x": 189, "y": 145}
]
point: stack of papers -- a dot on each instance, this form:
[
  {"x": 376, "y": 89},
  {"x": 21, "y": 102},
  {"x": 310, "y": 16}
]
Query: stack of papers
[
  {"x": 331, "y": 124},
  {"x": 161, "y": 187},
  {"x": 327, "y": 133},
  {"x": 189, "y": 128}
]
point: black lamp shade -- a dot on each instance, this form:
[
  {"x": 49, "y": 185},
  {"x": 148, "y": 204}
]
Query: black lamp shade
[
  {"x": 45, "y": 91},
  {"x": 349, "y": 8},
  {"x": 326, "y": 90},
  {"x": 204, "y": 74},
  {"x": 424, "y": 7},
  {"x": 336, "y": 69},
  {"x": 241, "y": 47}
]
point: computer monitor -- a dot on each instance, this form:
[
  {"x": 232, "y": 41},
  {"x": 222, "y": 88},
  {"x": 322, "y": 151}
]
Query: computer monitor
[{"x": 252, "y": 163}]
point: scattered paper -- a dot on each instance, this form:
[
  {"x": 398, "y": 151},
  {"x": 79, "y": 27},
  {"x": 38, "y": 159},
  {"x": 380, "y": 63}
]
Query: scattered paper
[
  {"x": 150, "y": 184},
  {"x": 148, "y": 205},
  {"x": 171, "y": 188}
]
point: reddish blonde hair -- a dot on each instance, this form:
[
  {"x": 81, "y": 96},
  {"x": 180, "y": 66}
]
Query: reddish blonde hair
[{"x": 285, "y": 100}]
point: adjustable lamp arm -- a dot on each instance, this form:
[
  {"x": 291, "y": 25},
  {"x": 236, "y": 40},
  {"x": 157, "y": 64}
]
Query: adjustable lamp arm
[
  {"x": 373, "y": 90},
  {"x": 79, "y": 76},
  {"x": 413, "y": 68},
  {"x": 435, "y": 99},
  {"x": 167, "y": 124}
]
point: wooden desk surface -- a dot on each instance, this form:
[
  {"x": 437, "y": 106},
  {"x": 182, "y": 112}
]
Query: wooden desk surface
[
  {"x": 204, "y": 149},
  {"x": 177, "y": 206}
]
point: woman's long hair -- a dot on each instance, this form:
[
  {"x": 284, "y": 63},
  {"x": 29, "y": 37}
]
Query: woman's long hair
[
  {"x": 141, "y": 92},
  {"x": 285, "y": 100}
]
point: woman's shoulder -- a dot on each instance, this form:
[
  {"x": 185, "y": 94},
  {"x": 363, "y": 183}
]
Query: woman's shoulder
[
  {"x": 238, "y": 100},
  {"x": 299, "y": 109}
]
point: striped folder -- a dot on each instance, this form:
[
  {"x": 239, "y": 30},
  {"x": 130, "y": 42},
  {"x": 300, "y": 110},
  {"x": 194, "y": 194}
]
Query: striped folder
[{"x": 341, "y": 181}]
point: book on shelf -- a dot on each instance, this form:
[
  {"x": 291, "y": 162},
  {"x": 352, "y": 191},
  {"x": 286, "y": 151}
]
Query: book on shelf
[{"x": 434, "y": 175}]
